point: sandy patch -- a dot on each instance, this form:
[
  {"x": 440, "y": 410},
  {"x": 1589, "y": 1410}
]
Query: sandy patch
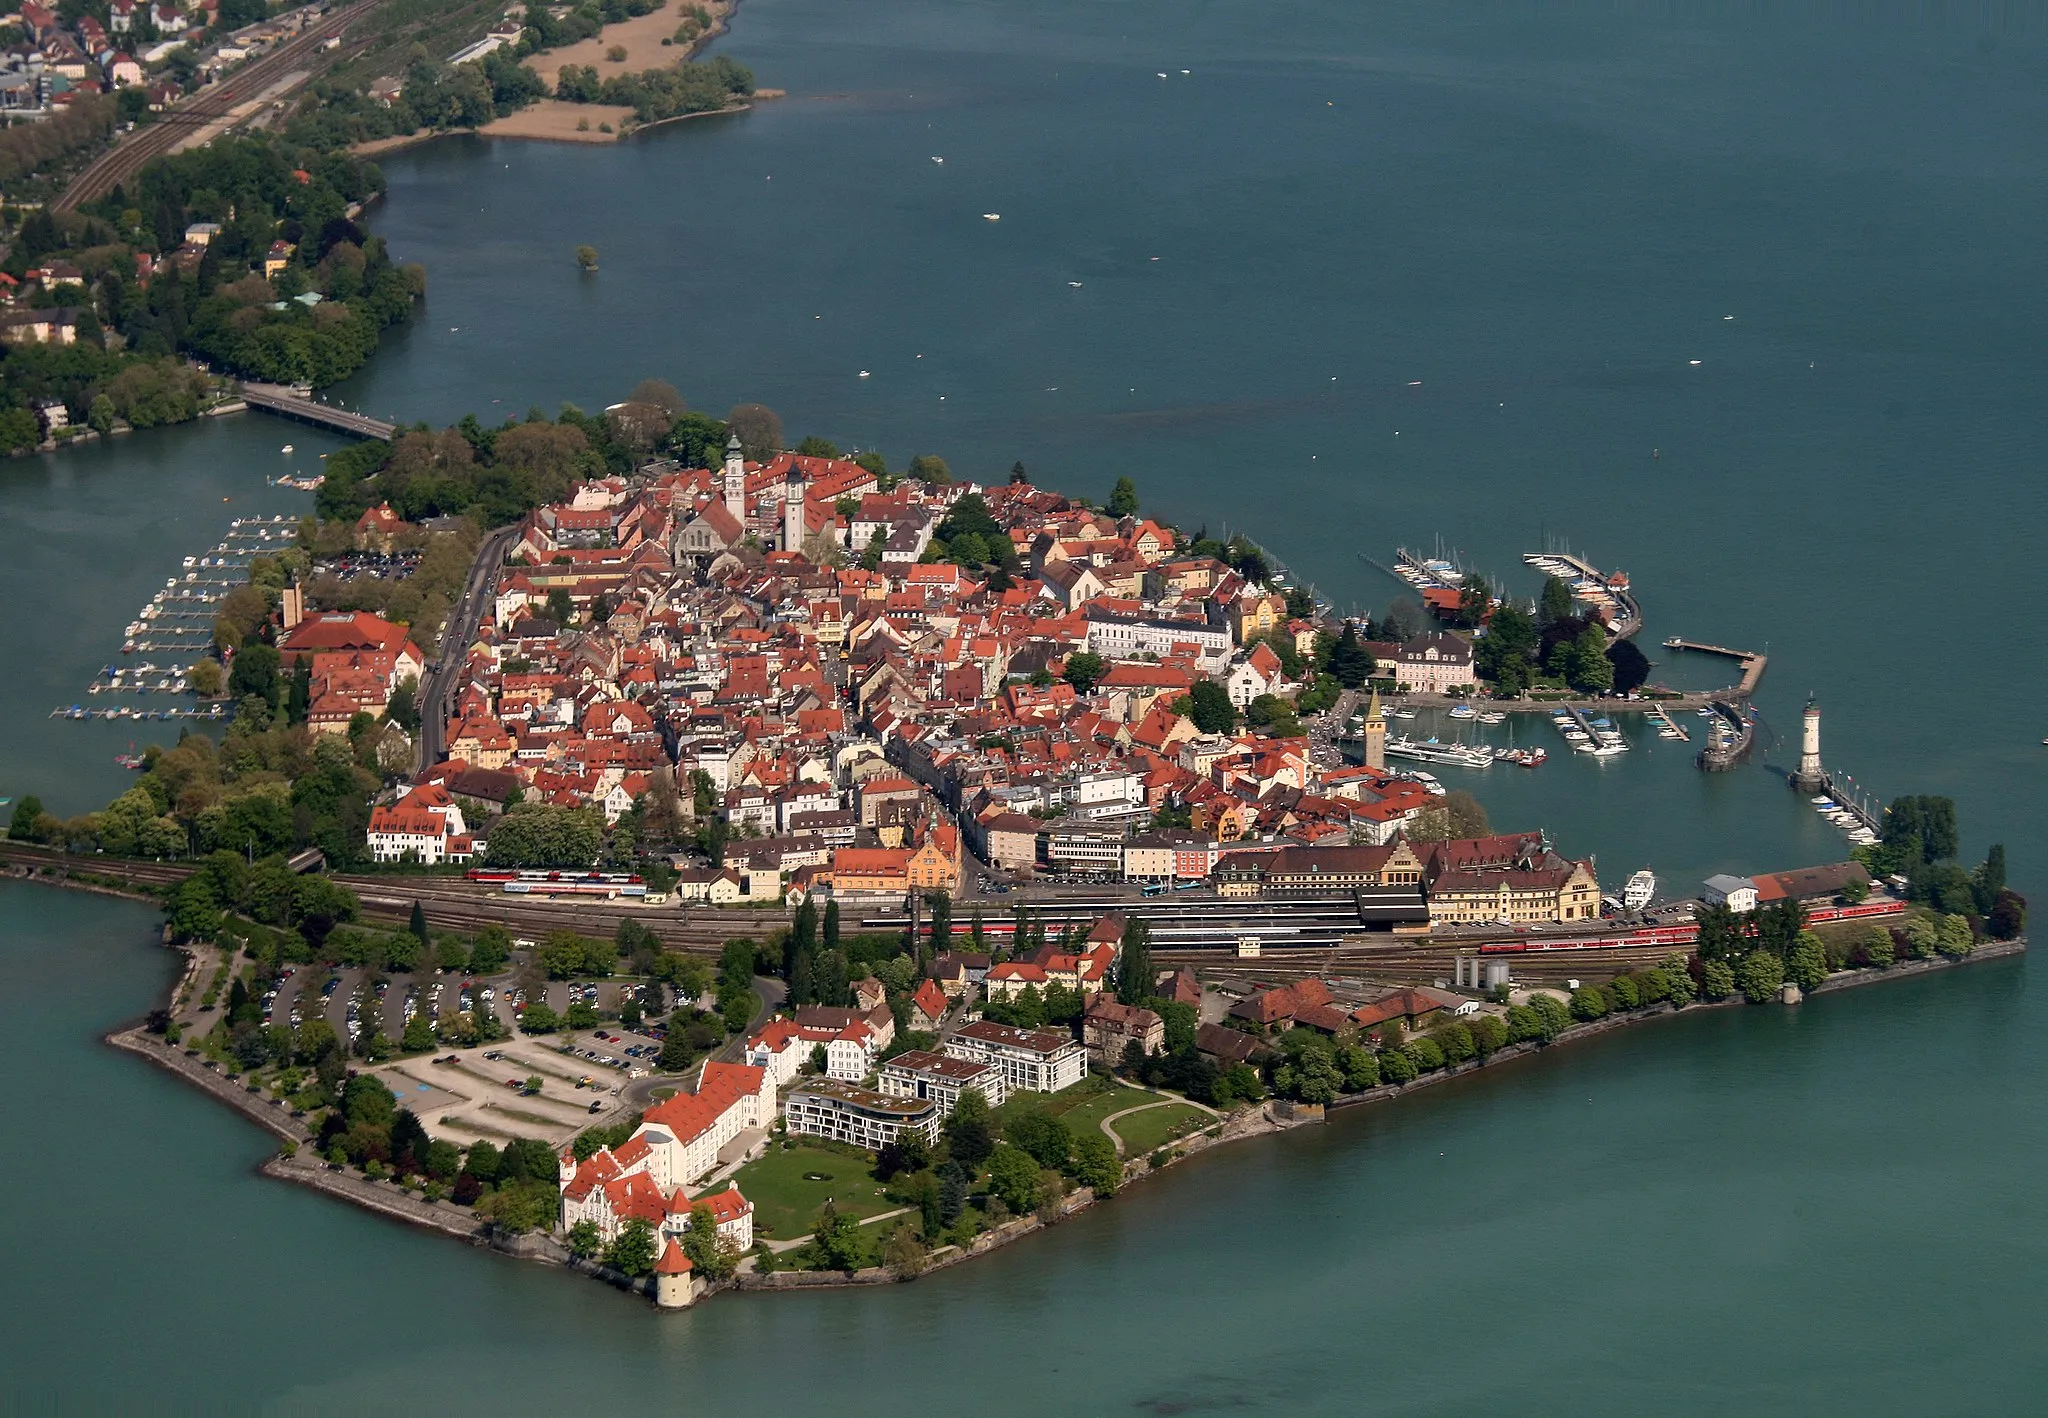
[
  {"x": 642, "y": 39},
  {"x": 556, "y": 121}
]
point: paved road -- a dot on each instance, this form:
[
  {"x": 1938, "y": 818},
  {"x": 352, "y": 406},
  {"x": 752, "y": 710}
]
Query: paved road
[{"x": 437, "y": 696}]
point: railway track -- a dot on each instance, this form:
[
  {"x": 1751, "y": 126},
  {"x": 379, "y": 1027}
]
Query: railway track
[
  {"x": 209, "y": 105},
  {"x": 457, "y": 905}
]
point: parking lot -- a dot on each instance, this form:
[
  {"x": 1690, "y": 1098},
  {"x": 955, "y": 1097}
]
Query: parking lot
[{"x": 465, "y": 1095}]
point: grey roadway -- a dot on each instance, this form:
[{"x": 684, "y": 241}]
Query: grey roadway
[
  {"x": 638, "y": 1096},
  {"x": 438, "y": 694}
]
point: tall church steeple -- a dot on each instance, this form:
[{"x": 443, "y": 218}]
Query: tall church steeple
[
  {"x": 1375, "y": 736},
  {"x": 736, "y": 480}
]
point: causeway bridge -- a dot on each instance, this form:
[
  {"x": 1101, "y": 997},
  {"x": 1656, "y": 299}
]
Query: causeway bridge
[{"x": 297, "y": 402}]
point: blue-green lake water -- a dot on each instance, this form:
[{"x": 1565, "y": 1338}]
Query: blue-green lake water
[{"x": 1543, "y": 214}]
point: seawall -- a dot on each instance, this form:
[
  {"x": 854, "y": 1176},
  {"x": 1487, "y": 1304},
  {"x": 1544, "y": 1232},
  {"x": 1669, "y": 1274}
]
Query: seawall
[{"x": 388, "y": 1200}]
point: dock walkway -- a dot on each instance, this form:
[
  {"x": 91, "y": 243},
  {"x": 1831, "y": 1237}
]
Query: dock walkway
[{"x": 1753, "y": 663}]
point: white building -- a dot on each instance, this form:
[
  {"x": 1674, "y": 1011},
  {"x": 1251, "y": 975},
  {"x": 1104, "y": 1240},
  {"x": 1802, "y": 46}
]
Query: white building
[
  {"x": 919, "y": 1073},
  {"x": 677, "y": 1141},
  {"x": 1121, "y": 637},
  {"x": 783, "y": 1047},
  {"x": 1737, "y": 893},
  {"x": 861, "y": 1117},
  {"x": 1033, "y": 1060},
  {"x": 1435, "y": 664}
]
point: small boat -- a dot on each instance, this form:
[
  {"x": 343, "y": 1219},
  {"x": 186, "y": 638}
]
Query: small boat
[
  {"x": 1493, "y": 716},
  {"x": 991, "y": 216},
  {"x": 1464, "y": 711},
  {"x": 286, "y": 449},
  {"x": 864, "y": 374}
]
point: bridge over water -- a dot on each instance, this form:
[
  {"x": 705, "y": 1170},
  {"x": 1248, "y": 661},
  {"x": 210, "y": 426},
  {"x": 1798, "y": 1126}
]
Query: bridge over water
[{"x": 298, "y": 403}]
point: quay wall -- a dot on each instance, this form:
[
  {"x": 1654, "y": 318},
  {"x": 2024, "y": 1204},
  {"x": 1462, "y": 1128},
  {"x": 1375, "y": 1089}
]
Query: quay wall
[{"x": 395, "y": 1203}]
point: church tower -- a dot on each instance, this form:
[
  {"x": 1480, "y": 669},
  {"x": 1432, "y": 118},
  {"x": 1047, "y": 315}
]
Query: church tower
[
  {"x": 793, "y": 510},
  {"x": 1375, "y": 736},
  {"x": 735, "y": 480}
]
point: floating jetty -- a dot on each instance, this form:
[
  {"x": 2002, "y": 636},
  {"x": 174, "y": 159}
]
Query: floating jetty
[
  {"x": 178, "y": 619},
  {"x": 1607, "y": 592}
]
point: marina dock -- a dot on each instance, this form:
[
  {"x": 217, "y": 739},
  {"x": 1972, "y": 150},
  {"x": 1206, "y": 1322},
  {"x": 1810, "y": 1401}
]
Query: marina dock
[{"x": 1606, "y": 592}]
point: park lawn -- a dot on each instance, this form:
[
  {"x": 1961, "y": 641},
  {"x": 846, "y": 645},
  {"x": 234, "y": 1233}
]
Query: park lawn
[
  {"x": 1142, "y": 1132},
  {"x": 1088, "y": 1116},
  {"x": 786, "y": 1202}
]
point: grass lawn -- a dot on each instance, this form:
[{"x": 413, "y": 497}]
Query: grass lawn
[
  {"x": 1087, "y": 1115},
  {"x": 787, "y": 1201},
  {"x": 1142, "y": 1132}
]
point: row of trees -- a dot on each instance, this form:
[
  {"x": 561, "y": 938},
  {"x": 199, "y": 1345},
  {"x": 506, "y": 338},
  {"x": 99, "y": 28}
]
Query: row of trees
[{"x": 656, "y": 94}]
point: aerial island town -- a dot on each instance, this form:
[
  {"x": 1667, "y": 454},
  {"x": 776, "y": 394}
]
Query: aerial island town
[{"x": 744, "y": 871}]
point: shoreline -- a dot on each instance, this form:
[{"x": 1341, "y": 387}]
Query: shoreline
[
  {"x": 541, "y": 110},
  {"x": 1270, "y": 1117}
]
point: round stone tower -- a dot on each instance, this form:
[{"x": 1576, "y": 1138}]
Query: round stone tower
[{"x": 1811, "y": 777}]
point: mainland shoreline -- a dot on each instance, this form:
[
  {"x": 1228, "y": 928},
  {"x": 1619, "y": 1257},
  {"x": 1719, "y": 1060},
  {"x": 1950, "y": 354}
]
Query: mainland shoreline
[
  {"x": 555, "y": 120},
  {"x": 297, "y": 1164}
]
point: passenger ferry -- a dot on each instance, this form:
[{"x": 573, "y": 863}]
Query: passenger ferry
[{"x": 1640, "y": 890}]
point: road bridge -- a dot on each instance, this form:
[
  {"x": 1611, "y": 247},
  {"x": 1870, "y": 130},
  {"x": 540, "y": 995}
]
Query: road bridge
[{"x": 292, "y": 403}]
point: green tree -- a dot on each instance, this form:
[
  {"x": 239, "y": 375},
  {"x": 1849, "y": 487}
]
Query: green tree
[
  {"x": 1210, "y": 707},
  {"x": 1954, "y": 936},
  {"x": 1123, "y": 499},
  {"x": 632, "y": 1250},
  {"x": 968, "y": 1136},
  {"x": 255, "y": 674},
  {"x": 838, "y": 1240},
  {"x": 1717, "y": 979},
  {"x": 1095, "y": 1163},
  {"x": 1085, "y": 670},
  {"x": 1135, "y": 978},
  {"x": 1759, "y": 975},
  {"x": 1588, "y": 1003},
  {"x": 1807, "y": 964},
  {"x": 1555, "y": 604},
  {"x": 22, "y": 826},
  {"x": 2008, "y": 918},
  {"x": 1350, "y": 663},
  {"x": 1989, "y": 878},
  {"x": 490, "y": 951},
  {"x": 585, "y": 1240},
  {"x": 1013, "y": 1176},
  {"x": 1316, "y": 1079},
  {"x": 709, "y": 1253}
]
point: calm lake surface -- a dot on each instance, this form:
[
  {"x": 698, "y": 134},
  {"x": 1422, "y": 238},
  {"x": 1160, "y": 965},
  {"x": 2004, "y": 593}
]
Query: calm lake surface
[{"x": 1542, "y": 214}]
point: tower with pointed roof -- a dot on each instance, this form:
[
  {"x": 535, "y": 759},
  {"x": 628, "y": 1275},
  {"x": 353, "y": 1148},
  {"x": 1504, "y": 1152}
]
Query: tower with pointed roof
[
  {"x": 793, "y": 509},
  {"x": 736, "y": 480},
  {"x": 1375, "y": 735}
]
